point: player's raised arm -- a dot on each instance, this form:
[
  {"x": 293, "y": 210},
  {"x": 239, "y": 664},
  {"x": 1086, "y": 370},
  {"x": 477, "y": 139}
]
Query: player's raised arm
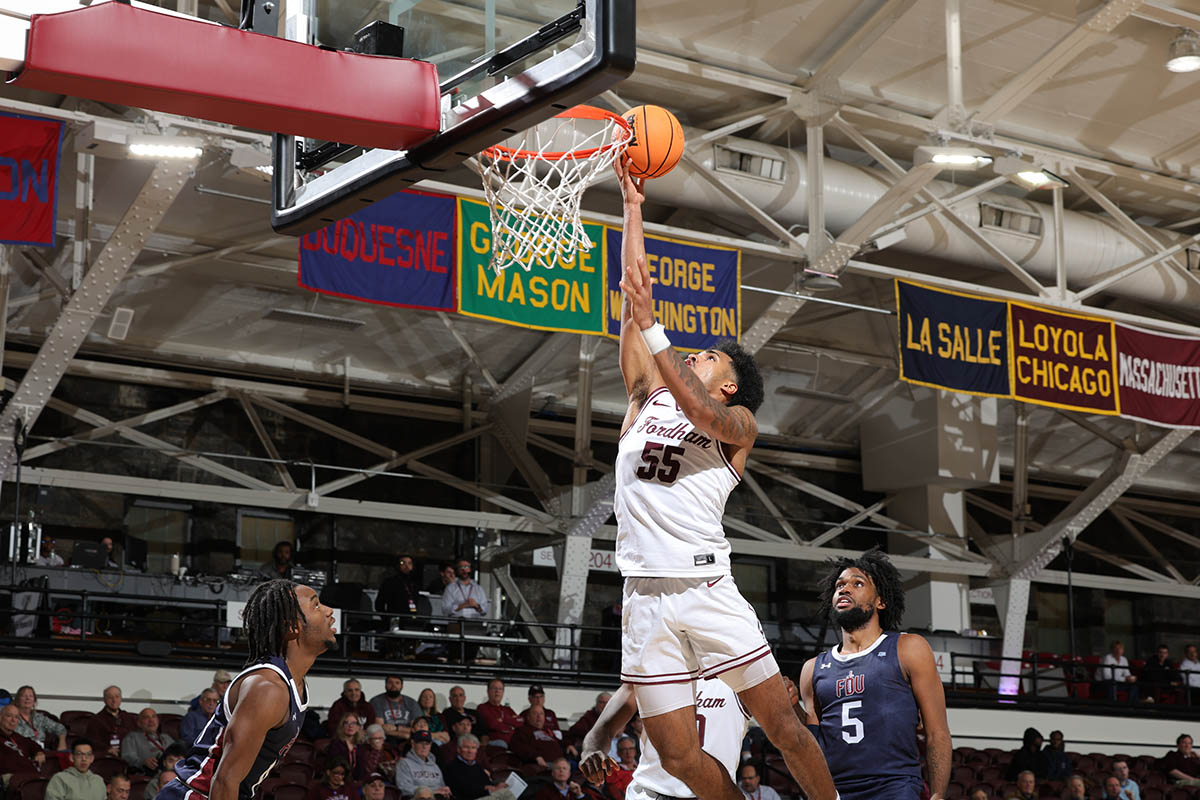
[
  {"x": 916, "y": 658},
  {"x": 734, "y": 425},
  {"x": 594, "y": 760},
  {"x": 637, "y": 366},
  {"x": 247, "y": 729}
]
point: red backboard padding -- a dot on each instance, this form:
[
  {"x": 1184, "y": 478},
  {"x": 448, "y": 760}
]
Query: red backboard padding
[{"x": 116, "y": 53}]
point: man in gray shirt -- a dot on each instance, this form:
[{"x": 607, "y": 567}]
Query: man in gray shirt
[
  {"x": 142, "y": 749},
  {"x": 465, "y": 600},
  {"x": 394, "y": 710},
  {"x": 419, "y": 768}
]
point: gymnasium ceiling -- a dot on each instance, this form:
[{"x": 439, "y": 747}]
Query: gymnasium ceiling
[{"x": 1113, "y": 102}]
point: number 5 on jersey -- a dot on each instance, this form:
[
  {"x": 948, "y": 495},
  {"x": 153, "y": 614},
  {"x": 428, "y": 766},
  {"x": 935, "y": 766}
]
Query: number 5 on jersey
[
  {"x": 655, "y": 453},
  {"x": 852, "y": 729}
]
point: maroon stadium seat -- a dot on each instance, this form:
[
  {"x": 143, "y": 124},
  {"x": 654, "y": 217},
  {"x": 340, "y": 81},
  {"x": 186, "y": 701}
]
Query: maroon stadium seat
[
  {"x": 33, "y": 790},
  {"x": 295, "y": 772},
  {"x": 107, "y": 767},
  {"x": 291, "y": 791}
]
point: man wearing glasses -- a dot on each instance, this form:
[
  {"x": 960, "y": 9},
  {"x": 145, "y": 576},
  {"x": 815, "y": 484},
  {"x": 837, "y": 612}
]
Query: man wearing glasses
[{"x": 77, "y": 782}]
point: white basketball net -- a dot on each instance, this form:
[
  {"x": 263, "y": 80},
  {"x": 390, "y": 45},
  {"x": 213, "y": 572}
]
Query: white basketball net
[{"x": 534, "y": 182}]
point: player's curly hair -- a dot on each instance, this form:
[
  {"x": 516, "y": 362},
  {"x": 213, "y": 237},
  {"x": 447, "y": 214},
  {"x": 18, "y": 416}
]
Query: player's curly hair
[
  {"x": 745, "y": 372},
  {"x": 886, "y": 578},
  {"x": 271, "y": 612}
]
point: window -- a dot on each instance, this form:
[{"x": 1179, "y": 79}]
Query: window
[
  {"x": 753, "y": 579},
  {"x": 258, "y": 532},
  {"x": 753, "y": 164},
  {"x": 1010, "y": 220},
  {"x": 164, "y": 528}
]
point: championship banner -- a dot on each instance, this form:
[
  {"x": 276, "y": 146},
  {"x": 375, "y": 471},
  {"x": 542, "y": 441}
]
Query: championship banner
[
  {"x": 697, "y": 294},
  {"x": 29, "y": 153},
  {"x": 1063, "y": 360},
  {"x": 1158, "y": 377},
  {"x": 396, "y": 252},
  {"x": 569, "y": 297},
  {"x": 953, "y": 341}
]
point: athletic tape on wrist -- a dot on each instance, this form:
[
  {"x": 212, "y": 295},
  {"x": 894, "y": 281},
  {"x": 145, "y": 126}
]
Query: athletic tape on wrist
[{"x": 655, "y": 338}]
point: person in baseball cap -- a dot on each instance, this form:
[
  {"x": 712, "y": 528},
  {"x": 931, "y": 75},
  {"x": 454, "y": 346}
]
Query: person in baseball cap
[
  {"x": 537, "y": 699},
  {"x": 419, "y": 768},
  {"x": 374, "y": 787}
]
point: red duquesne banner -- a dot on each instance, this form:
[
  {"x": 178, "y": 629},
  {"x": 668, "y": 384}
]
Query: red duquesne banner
[
  {"x": 1159, "y": 377},
  {"x": 29, "y": 150},
  {"x": 1063, "y": 360}
]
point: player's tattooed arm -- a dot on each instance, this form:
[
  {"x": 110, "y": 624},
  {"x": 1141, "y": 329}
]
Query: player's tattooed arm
[
  {"x": 730, "y": 424},
  {"x": 916, "y": 658}
]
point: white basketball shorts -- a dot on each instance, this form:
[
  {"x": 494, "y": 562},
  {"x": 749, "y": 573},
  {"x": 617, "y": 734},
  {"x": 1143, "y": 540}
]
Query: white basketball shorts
[{"x": 676, "y": 630}]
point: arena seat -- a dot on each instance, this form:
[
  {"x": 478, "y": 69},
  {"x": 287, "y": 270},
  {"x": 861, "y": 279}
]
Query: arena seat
[
  {"x": 68, "y": 716},
  {"x": 955, "y": 789},
  {"x": 391, "y": 792},
  {"x": 1152, "y": 793},
  {"x": 137, "y": 785},
  {"x": 169, "y": 724},
  {"x": 291, "y": 791},
  {"x": 295, "y": 772},
  {"x": 267, "y": 788},
  {"x": 989, "y": 774},
  {"x": 321, "y": 745},
  {"x": 78, "y": 725},
  {"x": 1179, "y": 793},
  {"x": 108, "y": 766},
  {"x": 32, "y": 790},
  {"x": 300, "y": 752}
]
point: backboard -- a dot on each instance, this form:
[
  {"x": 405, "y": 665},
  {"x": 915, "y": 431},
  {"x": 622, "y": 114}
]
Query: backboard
[{"x": 503, "y": 66}]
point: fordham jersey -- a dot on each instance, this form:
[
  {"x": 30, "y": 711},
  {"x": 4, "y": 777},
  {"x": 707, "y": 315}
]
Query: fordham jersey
[
  {"x": 721, "y": 722},
  {"x": 195, "y": 772},
  {"x": 672, "y": 483},
  {"x": 869, "y": 716}
]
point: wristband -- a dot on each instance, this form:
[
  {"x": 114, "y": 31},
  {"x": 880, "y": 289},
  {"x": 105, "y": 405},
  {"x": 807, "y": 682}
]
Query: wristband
[{"x": 655, "y": 338}]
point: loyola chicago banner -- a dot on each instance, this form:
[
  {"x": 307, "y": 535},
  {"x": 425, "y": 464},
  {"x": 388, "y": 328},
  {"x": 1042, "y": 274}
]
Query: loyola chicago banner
[
  {"x": 569, "y": 297},
  {"x": 29, "y": 155},
  {"x": 696, "y": 290}
]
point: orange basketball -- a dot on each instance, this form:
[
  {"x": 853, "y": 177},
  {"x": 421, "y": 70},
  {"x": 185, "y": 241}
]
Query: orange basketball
[{"x": 657, "y": 141}]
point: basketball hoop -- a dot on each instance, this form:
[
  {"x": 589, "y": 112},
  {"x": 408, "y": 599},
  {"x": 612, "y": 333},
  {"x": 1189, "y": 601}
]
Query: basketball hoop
[{"x": 533, "y": 188}]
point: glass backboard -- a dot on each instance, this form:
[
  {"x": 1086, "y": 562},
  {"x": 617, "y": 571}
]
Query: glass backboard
[{"x": 503, "y": 66}]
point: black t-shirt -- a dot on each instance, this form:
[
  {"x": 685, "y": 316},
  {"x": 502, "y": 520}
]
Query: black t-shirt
[
  {"x": 399, "y": 594},
  {"x": 466, "y": 781}
]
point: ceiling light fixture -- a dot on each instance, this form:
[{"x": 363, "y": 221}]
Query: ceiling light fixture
[
  {"x": 1184, "y": 53},
  {"x": 1027, "y": 173},
  {"x": 172, "y": 147},
  {"x": 952, "y": 157}
]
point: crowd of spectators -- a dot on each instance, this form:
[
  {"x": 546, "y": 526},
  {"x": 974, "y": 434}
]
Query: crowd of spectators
[{"x": 1158, "y": 678}]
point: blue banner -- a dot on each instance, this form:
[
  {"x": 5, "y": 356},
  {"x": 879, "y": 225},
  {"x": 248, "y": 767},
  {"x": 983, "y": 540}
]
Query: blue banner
[
  {"x": 398, "y": 252},
  {"x": 696, "y": 290},
  {"x": 953, "y": 341}
]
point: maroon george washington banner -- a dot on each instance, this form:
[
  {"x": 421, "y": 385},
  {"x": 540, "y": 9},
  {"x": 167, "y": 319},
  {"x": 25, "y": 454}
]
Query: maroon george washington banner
[{"x": 1159, "y": 377}]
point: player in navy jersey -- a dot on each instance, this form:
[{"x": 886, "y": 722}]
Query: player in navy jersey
[
  {"x": 865, "y": 698},
  {"x": 263, "y": 709}
]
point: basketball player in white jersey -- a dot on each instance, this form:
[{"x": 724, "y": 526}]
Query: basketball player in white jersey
[
  {"x": 720, "y": 725},
  {"x": 684, "y": 443}
]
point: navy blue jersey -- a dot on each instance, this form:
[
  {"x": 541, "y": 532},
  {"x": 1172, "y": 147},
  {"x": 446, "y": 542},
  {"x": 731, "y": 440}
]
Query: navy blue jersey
[
  {"x": 868, "y": 721},
  {"x": 195, "y": 772}
]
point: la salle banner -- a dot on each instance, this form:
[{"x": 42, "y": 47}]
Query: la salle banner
[
  {"x": 953, "y": 341},
  {"x": 397, "y": 252},
  {"x": 29, "y": 157}
]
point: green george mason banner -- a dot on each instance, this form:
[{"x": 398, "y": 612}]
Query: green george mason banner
[{"x": 569, "y": 297}]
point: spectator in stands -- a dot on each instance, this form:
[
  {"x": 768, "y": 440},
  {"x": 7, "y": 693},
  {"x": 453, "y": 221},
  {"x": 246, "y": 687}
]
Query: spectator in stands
[
  {"x": 1129, "y": 787},
  {"x": 1112, "y": 789},
  {"x": 395, "y": 710},
  {"x": 444, "y": 578},
  {"x": 533, "y": 744},
  {"x": 160, "y": 780},
  {"x": 399, "y": 594},
  {"x": 537, "y": 699},
  {"x": 1030, "y": 757},
  {"x": 1159, "y": 676},
  {"x": 1026, "y": 787},
  {"x": 1182, "y": 764},
  {"x": 498, "y": 720},
  {"x": 980, "y": 794},
  {"x": 143, "y": 748},
  {"x": 48, "y": 558},
  {"x": 110, "y": 560},
  {"x": 166, "y": 769},
  {"x": 1115, "y": 673},
  {"x": 220, "y": 684},
  {"x": 750, "y": 783},
  {"x": 427, "y": 705},
  {"x": 465, "y": 600},
  {"x": 1076, "y": 788},
  {"x": 77, "y": 782},
  {"x": 458, "y": 705},
  {"x": 468, "y": 779},
  {"x": 1189, "y": 667},
  {"x": 334, "y": 783},
  {"x": 17, "y": 753},
  {"x": 423, "y": 793},
  {"x": 350, "y": 702},
  {"x": 374, "y": 787},
  {"x": 420, "y": 768},
  {"x": 561, "y": 787},
  {"x": 459, "y": 728},
  {"x": 280, "y": 565},
  {"x": 110, "y": 724},
  {"x": 1058, "y": 763},
  {"x": 346, "y": 739},
  {"x": 375, "y": 754},
  {"x": 617, "y": 781},
  {"x": 195, "y": 720},
  {"x": 118, "y": 788},
  {"x": 38, "y": 725},
  {"x": 585, "y": 723}
]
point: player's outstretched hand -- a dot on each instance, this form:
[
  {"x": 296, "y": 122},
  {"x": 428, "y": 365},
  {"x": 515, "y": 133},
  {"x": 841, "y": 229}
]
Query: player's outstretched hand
[
  {"x": 632, "y": 189},
  {"x": 596, "y": 765},
  {"x": 635, "y": 283}
]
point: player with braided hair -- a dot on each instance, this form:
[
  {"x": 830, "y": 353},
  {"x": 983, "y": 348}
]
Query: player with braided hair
[
  {"x": 287, "y": 627},
  {"x": 865, "y": 698}
]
